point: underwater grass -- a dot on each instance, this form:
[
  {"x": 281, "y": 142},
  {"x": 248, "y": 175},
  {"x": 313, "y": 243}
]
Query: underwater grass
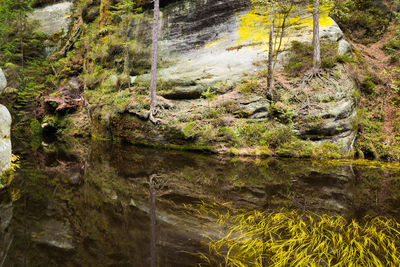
[{"x": 290, "y": 238}]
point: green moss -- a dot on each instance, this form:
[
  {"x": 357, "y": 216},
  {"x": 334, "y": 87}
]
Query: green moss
[{"x": 297, "y": 148}]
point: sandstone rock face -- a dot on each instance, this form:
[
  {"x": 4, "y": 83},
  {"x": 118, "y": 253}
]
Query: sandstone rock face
[
  {"x": 344, "y": 47},
  {"x": 3, "y": 81},
  {"x": 333, "y": 33},
  {"x": 55, "y": 234},
  {"x": 331, "y": 112},
  {"x": 5, "y": 142},
  {"x": 206, "y": 42},
  {"x": 54, "y": 18}
]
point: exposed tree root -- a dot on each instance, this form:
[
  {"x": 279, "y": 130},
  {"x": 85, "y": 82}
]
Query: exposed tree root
[{"x": 151, "y": 116}]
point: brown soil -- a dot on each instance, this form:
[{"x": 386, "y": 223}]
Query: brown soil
[{"x": 378, "y": 62}]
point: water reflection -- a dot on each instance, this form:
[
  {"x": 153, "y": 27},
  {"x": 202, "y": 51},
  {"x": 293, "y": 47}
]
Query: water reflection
[
  {"x": 153, "y": 238},
  {"x": 118, "y": 205}
]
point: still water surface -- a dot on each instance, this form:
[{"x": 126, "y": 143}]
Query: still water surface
[{"x": 102, "y": 204}]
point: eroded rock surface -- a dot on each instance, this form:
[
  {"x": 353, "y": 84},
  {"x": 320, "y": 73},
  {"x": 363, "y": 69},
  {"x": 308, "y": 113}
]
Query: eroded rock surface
[
  {"x": 54, "y": 234},
  {"x": 5, "y": 141},
  {"x": 3, "y": 81},
  {"x": 205, "y": 42},
  {"x": 329, "y": 115},
  {"x": 54, "y": 18}
]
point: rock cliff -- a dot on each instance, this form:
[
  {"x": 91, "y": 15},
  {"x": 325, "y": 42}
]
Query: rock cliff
[{"x": 211, "y": 82}]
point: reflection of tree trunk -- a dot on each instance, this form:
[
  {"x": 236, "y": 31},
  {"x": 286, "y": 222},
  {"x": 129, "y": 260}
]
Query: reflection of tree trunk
[{"x": 153, "y": 238}]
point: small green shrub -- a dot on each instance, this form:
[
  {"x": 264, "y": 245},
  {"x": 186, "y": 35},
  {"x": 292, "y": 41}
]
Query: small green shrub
[
  {"x": 396, "y": 125},
  {"x": 344, "y": 58},
  {"x": 368, "y": 86},
  {"x": 301, "y": 57},
  {"x": 278, "y": 135},
  {"x": 392, "y": 47},
  {"x": 248, "y": 85}
]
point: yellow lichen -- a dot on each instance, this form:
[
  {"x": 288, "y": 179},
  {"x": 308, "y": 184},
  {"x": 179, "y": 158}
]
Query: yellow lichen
[{"x": 254, "y": 27}]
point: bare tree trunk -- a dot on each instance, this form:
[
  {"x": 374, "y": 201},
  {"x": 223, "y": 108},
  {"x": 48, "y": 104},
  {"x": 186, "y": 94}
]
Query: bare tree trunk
[
  {"x": 127, "y": 57},
  {"x": 126, "y": 66},
  {"x": 270, "y": 58},
  {"x": 104, "y": 13},
  {"x": 153, "y": 83},
  {"x": 21, "y": 36},
  {"x": 316, "y": 41}
]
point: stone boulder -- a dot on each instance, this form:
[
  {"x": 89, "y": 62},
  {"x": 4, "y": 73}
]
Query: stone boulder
[
  {"x": 54, "y": 234},
  {"x": 332, "y": 33},
  {"x": 5, "y": 141},
  {"x": 344, "y": 48},
  {"x": 3, "y": 81},
  {"x": 54, "y": 18}
]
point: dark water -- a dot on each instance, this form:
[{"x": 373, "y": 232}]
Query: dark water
[{"x": 102, "y": 204}]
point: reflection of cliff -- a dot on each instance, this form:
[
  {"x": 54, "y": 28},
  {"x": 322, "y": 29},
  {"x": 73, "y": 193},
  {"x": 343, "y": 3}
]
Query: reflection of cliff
[
  {"x": 109, "y": 208},
  {"x": 6, "y": 237},
  {"x": 5, "y": 128},
  {"x": 5, "y": 141}
]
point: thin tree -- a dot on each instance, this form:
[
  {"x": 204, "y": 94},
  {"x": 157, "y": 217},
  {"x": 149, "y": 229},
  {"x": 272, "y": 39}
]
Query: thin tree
[
  {"x": 316, "y": 40},
  {"x": 104, "y": 13},
  {"x": 276, "y": 13},
  {"x": 270, "y": 59},
  {"x": 153, "y": 82}
]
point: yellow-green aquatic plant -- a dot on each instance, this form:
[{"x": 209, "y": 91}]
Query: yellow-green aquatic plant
[{"x": 284, "y": 238}]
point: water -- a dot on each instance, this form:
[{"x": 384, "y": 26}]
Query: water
[{"x": 89, "y": 204}]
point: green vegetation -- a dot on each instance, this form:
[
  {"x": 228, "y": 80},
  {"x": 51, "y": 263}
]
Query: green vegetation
[
  {"x": 370, "y": 141},
  {"x": 291, "y": 238},
  {"x": 8, "y": 176},
  {"x": 300, "y": 60},
  {"x": 392, "y": 47},
  {"x": 297, "y": 148},
  {"x": 364, "y": 20}
]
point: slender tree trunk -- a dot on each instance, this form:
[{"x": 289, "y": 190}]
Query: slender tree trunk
[
  {"x": 126, "y": 56},
  {"x": 21, "y": 36},
  {"x": 104, "y": 13},
  {"x": 282, "y": 33},
  {"x": 270, "y": 58},
  {"x": 316, "y": 41},
  {"x": 126, "y": 66},
  {"x": 153, "y": 83}
]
